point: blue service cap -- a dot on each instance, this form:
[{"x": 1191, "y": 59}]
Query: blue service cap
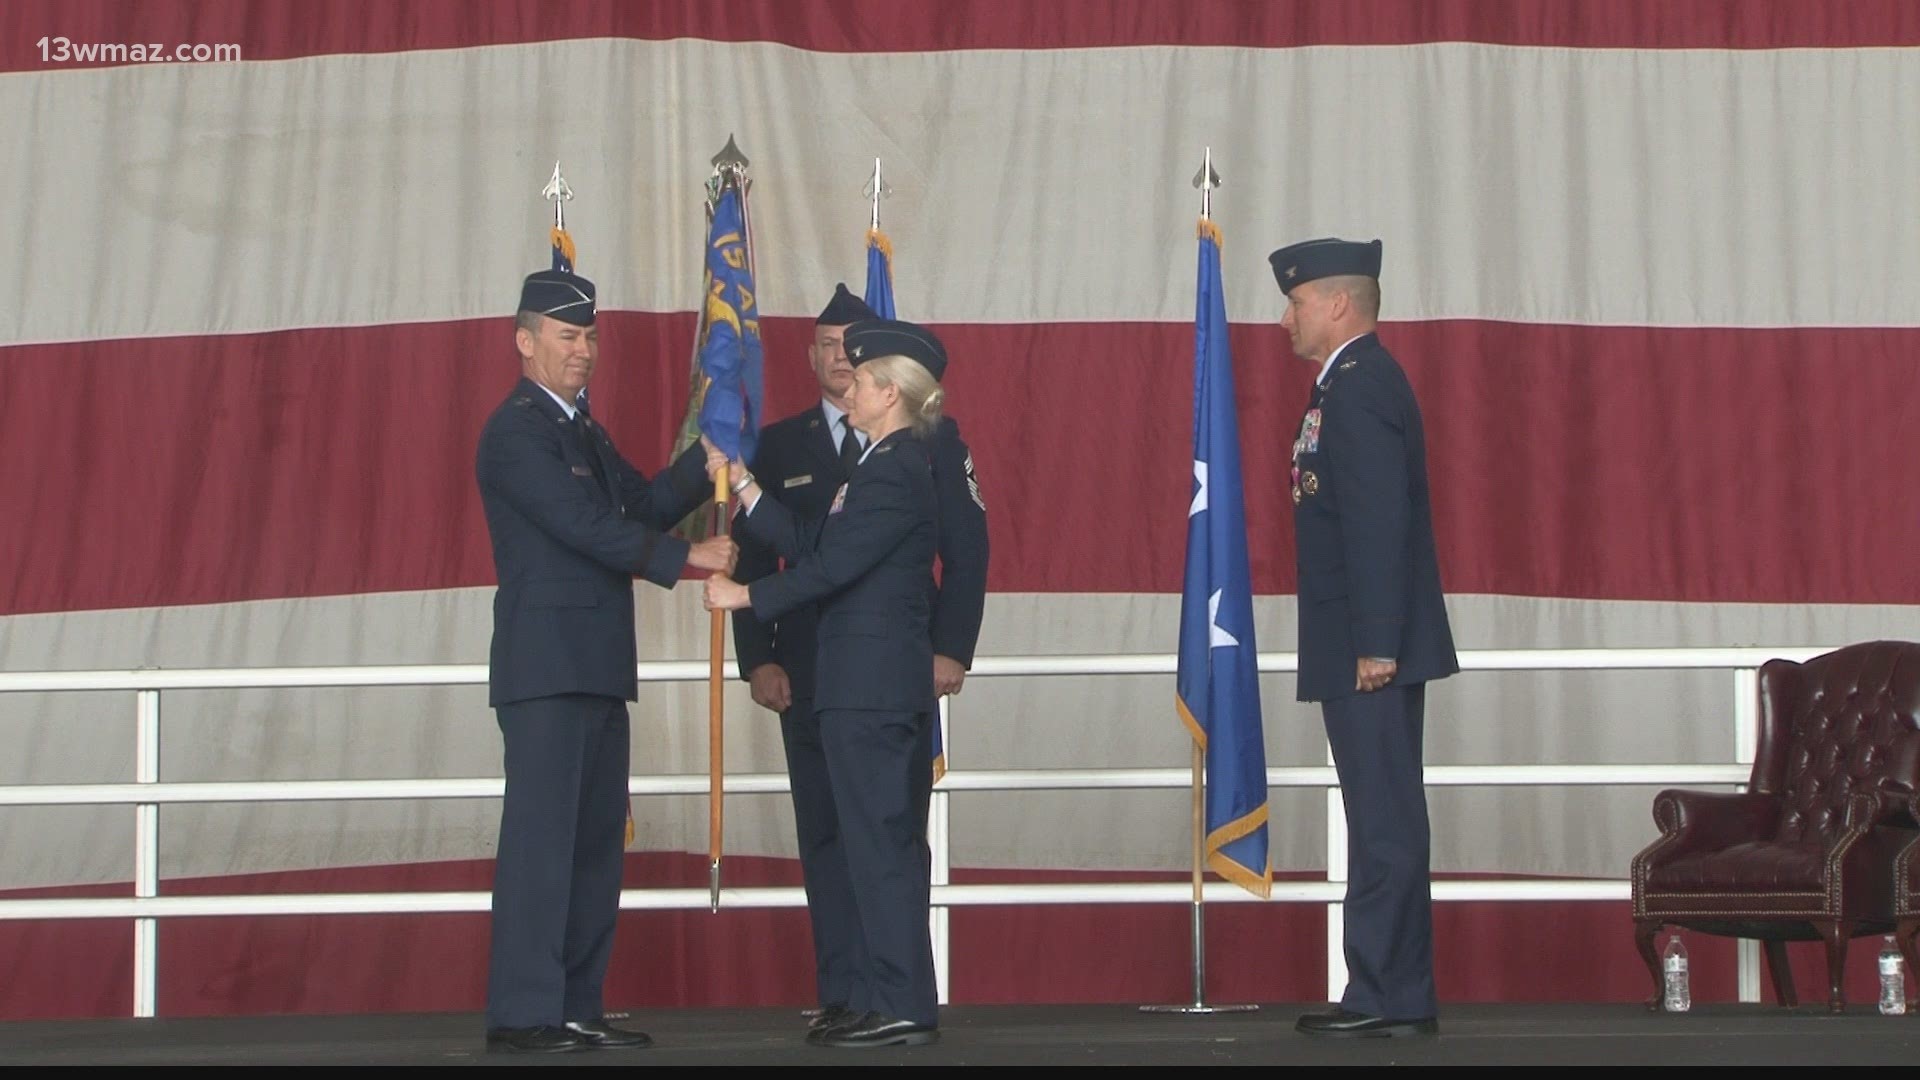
[
  {"x": 1310, "y": 260},
  {"x": 844, "y": 309},
  {"x": 874, "y": 338},
  {"x": 558, "y": 294}
]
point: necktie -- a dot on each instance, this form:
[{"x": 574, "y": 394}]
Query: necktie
[{"x": 849, "y": 448}]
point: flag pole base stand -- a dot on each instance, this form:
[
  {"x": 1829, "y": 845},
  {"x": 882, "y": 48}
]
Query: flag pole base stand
[{"x": 1199, "y": 1008}]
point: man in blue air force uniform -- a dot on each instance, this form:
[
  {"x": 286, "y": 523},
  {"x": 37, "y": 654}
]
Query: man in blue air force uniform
[
  {"x": 1373, "y": 624},
  {"x": 571, "y": 524},
  {"x": 801, "y": 461}
]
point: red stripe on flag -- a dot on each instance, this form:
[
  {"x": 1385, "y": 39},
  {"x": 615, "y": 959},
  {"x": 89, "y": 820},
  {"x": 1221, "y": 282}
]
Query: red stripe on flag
[
  {"x": 283, "y": 29},
  {"x": 1602, "y": 462}
]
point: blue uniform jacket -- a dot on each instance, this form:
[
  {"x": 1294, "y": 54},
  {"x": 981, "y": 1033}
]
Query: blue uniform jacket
[
  {"x": 798, "y": 466},
  {"x": 1363, "y": 529},
  {"x": 868, "y": 564},
  {"x": 566, "y": 549}
]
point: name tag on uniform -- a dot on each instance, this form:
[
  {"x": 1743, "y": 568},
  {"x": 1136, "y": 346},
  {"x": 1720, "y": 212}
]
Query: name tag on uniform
[
  {"x": 582, "y": 470},
  {"x": 839, "y": 500},
  {"x": 796, "y": 481}
]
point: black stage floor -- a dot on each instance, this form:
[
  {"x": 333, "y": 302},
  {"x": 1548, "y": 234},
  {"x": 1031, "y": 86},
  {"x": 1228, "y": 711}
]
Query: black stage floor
[{"x": 1016, "y": 1035}]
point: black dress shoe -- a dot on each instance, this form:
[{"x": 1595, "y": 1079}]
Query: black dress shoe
[
  {"x": 874, "y": 1029},
  {"x": 545, "y": 1039},
  {"x": 600, "y": 1035},
  {"x": 829, "y": 1018},
  {"x": 1341, "y": 1024}
]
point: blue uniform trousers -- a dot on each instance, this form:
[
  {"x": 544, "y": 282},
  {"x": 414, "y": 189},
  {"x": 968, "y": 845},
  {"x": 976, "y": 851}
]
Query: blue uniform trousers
[
  {"x": 1376, "y": 740},
  {"x": 556, "y": 886},
  {"x": 880, "y": 767},
  {"x": 838, "y": 951}
]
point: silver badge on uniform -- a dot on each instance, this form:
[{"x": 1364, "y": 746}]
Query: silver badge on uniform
[{"x": 796, "y": 481}]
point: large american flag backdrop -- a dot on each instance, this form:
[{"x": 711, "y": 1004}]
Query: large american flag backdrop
[{"x": 1652, "y": 265}]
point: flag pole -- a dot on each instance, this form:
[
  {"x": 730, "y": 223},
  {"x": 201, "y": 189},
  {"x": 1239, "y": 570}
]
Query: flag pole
[
  {"x": 559, "y": 193},
  {"x": 729, "y": 170},
  {"x": 716, "y": 707},
  {"x": 1206, "y": 180}
]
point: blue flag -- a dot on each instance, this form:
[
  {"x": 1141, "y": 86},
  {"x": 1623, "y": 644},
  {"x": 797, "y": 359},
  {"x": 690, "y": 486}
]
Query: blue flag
[
  {"x": 880, "y": 298},
  {"x": 730, "y": 355},
  {"x": 1218, "y": 685},
  {"x": 880, "y": 274}
]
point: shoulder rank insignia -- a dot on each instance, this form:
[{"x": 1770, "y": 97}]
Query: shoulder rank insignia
[
  {"x": 884, "y": 450},
  {"x": 1348, "y": 364},
  {"x": 973, "y": 484},
  {"x": 523, "y": 401}
]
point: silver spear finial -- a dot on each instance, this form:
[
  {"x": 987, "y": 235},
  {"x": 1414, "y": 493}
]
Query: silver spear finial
[{"x": 1206, "y": 180}]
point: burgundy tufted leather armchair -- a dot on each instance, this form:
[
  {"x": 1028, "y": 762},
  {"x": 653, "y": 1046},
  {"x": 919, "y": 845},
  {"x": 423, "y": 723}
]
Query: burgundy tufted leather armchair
[
  {"x": 1906, "y": 897},
  {"x": 1808, "y": 850}
]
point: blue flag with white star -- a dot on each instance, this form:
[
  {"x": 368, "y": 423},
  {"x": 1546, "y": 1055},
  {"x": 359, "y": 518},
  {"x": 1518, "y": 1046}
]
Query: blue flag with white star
[{"x": 1218, "y": 684}]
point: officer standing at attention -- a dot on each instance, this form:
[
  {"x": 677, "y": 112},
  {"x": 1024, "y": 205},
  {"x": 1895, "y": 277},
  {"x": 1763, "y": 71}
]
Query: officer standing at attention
[
  {"x": 868, "y": 564},
  {"x": 801, "y": 462},
  {"x": 571, "y": 524},
  {"x": 1373, "y": 625}
]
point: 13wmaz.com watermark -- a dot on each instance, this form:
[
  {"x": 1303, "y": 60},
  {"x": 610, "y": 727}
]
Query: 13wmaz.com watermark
[{"x": 60, "y": 50}]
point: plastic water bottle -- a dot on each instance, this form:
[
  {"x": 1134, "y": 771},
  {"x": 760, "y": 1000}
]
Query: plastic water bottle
[
  {"x": 1893, "y": 979},
  {"x": 1676, "y": 996}
]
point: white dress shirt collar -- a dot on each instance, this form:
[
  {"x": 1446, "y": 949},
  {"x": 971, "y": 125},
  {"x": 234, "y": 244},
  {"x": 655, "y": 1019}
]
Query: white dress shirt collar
[{"x": 568, "y": 407}]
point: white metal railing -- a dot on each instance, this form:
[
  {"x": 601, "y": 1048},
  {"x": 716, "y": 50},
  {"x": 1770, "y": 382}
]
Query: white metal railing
[{"x": 147, "y": 794}]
